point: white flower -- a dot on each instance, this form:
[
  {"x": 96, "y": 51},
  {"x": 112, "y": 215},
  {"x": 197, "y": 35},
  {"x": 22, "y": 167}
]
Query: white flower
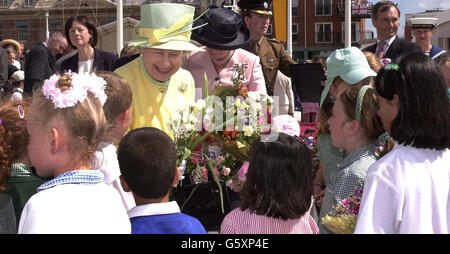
[
  {"x": 201, "y": 104},
  {"x": 254, "y": 95},
  {"x": 248, "y": 130},
  {"x": 192, "y": 119}
]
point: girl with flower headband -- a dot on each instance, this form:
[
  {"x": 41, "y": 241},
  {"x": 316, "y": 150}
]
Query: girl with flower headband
[
  {"x": 17, "y": 180},
  {"x": 354, "y": 126},
  {"x": 66, "y": 123},
  {"x": 407, "y": 191}
]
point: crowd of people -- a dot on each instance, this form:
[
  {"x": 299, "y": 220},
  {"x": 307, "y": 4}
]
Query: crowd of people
[{"x": 86, "y": 146}]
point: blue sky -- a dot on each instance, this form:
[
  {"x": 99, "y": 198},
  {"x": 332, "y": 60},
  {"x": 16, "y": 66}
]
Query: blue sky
[{"x": 411, "y": 6}]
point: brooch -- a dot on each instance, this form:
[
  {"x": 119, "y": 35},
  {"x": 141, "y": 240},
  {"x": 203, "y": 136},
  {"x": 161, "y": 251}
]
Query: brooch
[{"x": 182, "y": 87}]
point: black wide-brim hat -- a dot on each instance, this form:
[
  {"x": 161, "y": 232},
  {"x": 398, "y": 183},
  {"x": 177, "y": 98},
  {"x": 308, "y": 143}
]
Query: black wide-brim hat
[{"x": 225, "y": 30}]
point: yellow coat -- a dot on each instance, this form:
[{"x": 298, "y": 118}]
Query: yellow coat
[{"x": 153, "y": 101}]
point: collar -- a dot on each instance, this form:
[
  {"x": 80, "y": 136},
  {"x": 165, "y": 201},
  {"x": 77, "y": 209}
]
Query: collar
[
  {"x": 154, "y": 209},
  {"x": 388, "y": 41},
  {"x": 20, "y": 169},
  {"x": 18, "y": 89},
  {"x": 74, "y": 177},
  {"x": 364, "y": 151}
]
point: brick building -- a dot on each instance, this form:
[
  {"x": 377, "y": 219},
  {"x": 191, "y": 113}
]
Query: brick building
[{"x": 318, "y": 26}]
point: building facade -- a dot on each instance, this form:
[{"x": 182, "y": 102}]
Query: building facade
[{"x": 318, "y": 26}]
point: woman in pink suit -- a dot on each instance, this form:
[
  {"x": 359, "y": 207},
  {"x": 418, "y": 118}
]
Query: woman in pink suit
[{"x": 223, "y": 58}]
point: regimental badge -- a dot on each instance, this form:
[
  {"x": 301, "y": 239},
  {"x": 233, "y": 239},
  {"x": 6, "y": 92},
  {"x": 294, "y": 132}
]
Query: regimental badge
[
  {"x": 265, "y": 5},
  {"x": 182, "y": 87}
]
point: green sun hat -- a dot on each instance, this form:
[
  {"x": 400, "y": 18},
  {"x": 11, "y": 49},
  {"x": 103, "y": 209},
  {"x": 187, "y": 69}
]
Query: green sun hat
[
  {"x": 348, "y": 63},
  {"x": 165, "y": 26}
]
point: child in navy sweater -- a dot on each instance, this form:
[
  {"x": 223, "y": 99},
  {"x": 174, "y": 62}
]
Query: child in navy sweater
[{"x": 147, "y": 161}]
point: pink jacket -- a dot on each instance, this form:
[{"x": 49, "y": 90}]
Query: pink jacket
[{"x": 200, "y": 62}]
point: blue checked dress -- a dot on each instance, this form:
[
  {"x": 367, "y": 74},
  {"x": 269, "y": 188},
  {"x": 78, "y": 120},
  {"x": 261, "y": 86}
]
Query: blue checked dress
[{"x": 349, "y": 174}]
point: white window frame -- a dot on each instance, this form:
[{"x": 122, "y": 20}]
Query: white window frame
[
  {"x": 322, "y": 1},
  {"x": 295, "y": 32},
  {"x": 317, "y": 31},
  {"x": 22, "y": 33},
  {"x": 28, "y": 3},
  {"x": 356, "y": 32},
  {"x": 4, "y": 3},
  {"x": 294, "y": 6}
]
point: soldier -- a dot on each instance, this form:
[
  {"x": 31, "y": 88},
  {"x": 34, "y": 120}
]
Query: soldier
[
  {"x": 273, "y": 57},
  {"x": 423, "y": 29}
]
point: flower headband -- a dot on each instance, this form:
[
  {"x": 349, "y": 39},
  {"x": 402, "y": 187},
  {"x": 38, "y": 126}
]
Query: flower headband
[
  {"x": 391, "y": 67},
  {"x": 80, "y": 86}
]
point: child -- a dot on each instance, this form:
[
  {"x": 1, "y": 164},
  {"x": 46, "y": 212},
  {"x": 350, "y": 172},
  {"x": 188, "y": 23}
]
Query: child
[
  {"x": 276, "y": 197},
  {"x": 117, "y": 111},
  {"x": 147, "y": 160},
  {"x": 66, "y": 124},
  {"x": 354, "y": 127},
  {"x": 22, "y": 182},
  {"x": 159, "y": 85},
  {"x": 346, "y": 67},
  {"x": 17, "y": 82},
  {"x": 407, "y": 190}
]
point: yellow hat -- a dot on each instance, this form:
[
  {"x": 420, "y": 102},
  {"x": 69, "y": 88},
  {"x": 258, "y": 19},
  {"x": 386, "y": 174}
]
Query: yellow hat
[
  {"x": 165, "y": 26},
  {"x": 15, "y": 43}
]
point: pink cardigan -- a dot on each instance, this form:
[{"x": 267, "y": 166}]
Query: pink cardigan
[{"x": 200, "y": 62}]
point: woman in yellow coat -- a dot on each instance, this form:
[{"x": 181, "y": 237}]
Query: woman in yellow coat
[{"x": 158, "y": 83}]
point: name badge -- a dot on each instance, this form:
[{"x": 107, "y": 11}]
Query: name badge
[{"x": 270, "y": 60}]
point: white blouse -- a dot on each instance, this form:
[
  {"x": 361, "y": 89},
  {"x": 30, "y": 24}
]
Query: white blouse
[
  {"x": 83, "y": 208},
  {"x": 407, "y": 191},
  {"x": 85, "y": 66}
]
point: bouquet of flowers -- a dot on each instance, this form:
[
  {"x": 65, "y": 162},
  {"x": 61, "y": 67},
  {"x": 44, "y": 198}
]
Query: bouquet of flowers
[
  {"x": 343, "y": 219},
  {"x": 211, "y": 149}
]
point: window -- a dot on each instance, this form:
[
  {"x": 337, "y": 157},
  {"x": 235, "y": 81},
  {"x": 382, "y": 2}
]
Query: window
[
  {"x": 294, "y": 8},
  {"x": 3, "y": 3},
  {"x": 355, "y": 32},
  {"x": 323, "y": 7},
  {"x": 295, "y": 33},
  {"x": 324, "y": 32},
  {"x": 28, "y": 3},
  {"x": 22, "y": 31}
]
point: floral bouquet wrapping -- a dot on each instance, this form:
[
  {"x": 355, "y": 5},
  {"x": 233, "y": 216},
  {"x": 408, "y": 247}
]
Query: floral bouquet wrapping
[
  {"x": 213, "y": 136},
  {"x": 343, "y": 219}
]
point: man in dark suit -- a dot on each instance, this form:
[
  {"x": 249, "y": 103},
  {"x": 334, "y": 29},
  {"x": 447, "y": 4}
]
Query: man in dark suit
[
  {"x": 385, "y": 18},
  {"x": 40, "y": 60}
]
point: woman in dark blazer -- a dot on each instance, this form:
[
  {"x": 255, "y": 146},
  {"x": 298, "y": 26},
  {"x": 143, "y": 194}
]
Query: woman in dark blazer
[{"x": 81, "y": 33}]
